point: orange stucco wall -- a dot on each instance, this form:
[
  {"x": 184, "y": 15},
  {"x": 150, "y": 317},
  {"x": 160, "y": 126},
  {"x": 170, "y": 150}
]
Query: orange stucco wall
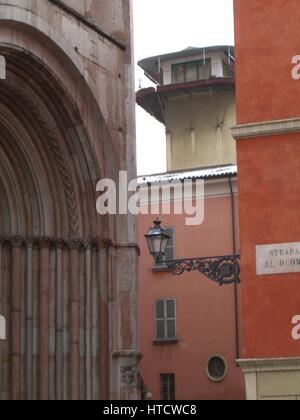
[
  {"x": 205, "y": 311},
  {"x": 269, "y": 201},
  {"x": 267, "y": 37}
]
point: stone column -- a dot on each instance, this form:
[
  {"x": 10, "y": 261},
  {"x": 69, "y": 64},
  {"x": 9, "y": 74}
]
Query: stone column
[
  {"x": 44, "y": 321},
  {"x": 16, "y": 321},
  {"x": 74, "y": 246},
  {"x": 29, "y": 322},
  {"x": 104, "y": 322},
  {"x": 123, "y": 317},
  {"x": 59, "y": 321},
  {"x": 88, "y": 320}
]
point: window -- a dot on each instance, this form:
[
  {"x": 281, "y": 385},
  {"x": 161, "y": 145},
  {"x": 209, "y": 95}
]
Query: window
[
  {"x": 178, "y": 73},
  {"x": 216, "y": 368},
  {"x": 167, "y": 387},
  {"x": 166, "y": 320},
  {"x": 191, "y": 71},
  {"x": 169, "y": 255}
]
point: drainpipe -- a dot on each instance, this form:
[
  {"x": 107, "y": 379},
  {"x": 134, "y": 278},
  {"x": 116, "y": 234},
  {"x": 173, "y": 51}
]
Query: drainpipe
[{"x": 236, "y": 296}]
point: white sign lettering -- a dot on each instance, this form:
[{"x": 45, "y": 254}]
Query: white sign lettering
[
  {"x": 296, "y": 68},
  {"x": 296, "y": 329},
  {"x": 2, "y": 68},
  {"x": 277, "y": 259},
  {"x": 2, "y": 328}
]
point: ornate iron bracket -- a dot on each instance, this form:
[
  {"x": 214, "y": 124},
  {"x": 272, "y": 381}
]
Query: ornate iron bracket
[{"x": 222, "y": 270}]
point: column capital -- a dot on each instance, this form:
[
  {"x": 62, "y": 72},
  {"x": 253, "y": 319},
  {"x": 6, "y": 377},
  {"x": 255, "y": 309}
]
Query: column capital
[
  {"x": 16, "y": 241},
  {"x": 59, "y": 243},
  {"x": 45, "y": 242},
  {"x": 29, "y": 242},
  {"x": 74, "y": 243},
  {"x": 88, "y": 246}
]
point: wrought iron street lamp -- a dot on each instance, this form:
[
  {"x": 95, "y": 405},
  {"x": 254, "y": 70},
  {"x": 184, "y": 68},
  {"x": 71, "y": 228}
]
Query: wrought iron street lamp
[
  {"x": 157, "y": 239},
  {"x": 221, "y": 269}
]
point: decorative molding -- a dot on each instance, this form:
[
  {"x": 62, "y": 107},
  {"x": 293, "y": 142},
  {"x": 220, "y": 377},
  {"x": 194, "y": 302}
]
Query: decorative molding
[
  {"x": 268, "y": 128},
  {"x": 129, "y": 375},
  {"x": 126, "y": 354},
  {"x": 44, "y": 243},
  {"x": 269, "y": 365},
  {"x": 29, "y": 243},
  {"x": 16, "y": 242},
  {"x": 59, "y": 244},
  {"x": 49, "y": 242},
  {"x": 62, "y": 164},
  {"x": 75, "y": 244},
  {"x": 88, "y": 246}
]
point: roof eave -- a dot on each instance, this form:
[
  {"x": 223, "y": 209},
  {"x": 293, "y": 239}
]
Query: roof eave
[{"x": 150, "y": 64}]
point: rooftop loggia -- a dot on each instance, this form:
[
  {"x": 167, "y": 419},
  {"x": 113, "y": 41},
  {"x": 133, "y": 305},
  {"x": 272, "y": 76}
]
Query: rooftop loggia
[{"x": 189, "y": 71}]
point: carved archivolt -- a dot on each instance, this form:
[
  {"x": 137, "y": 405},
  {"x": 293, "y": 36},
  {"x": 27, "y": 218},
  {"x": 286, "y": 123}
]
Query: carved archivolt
[
  {"x": 53, "y": 266},
  {"x": 58, "y": 154}
]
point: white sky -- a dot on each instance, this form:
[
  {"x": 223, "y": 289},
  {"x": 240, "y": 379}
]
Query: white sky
[{"x": 163, "y": 26}]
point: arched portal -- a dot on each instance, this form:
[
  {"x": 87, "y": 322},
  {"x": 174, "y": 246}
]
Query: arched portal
[
  {"x": 51, "y": 252},
  {"x": 67, "y": 275}
]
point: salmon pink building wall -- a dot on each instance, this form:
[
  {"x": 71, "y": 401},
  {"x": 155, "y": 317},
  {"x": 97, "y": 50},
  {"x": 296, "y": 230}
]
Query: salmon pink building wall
[{"x": 206, "y": 312}]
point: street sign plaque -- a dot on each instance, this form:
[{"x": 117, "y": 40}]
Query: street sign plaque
[{"x": 278, "y": 259}]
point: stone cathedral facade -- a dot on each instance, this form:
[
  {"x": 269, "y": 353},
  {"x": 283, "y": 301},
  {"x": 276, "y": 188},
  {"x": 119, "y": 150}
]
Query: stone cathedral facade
[{"x": 67, "y": 275}]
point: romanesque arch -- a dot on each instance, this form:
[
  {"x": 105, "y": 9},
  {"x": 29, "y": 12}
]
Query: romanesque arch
[{"x": 55, "y": 252}]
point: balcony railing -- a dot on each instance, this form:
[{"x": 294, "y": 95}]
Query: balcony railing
[{"x": 205, "y": 72}]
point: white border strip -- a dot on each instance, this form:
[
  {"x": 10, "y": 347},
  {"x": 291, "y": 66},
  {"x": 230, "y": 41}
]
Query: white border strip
[
  {"x": 263, "y": 129},
  {"x": 269, "y": 365}
]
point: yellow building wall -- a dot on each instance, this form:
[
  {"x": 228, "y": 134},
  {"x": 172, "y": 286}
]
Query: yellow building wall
[
  {"x": 199, "y": 130},
  {"x": 279, "y": 385}
]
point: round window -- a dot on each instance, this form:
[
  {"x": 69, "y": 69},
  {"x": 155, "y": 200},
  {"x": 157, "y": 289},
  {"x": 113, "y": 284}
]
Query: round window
[{"x": 216, "y": 368}]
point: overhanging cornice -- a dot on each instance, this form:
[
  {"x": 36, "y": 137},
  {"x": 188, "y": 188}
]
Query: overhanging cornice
[
  {"x": 268, "y": 128},
  {"x": 269, "y": 365}
]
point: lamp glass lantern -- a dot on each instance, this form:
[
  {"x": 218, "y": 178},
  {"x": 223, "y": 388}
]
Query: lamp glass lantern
[{"x": 157, "y": 239}]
